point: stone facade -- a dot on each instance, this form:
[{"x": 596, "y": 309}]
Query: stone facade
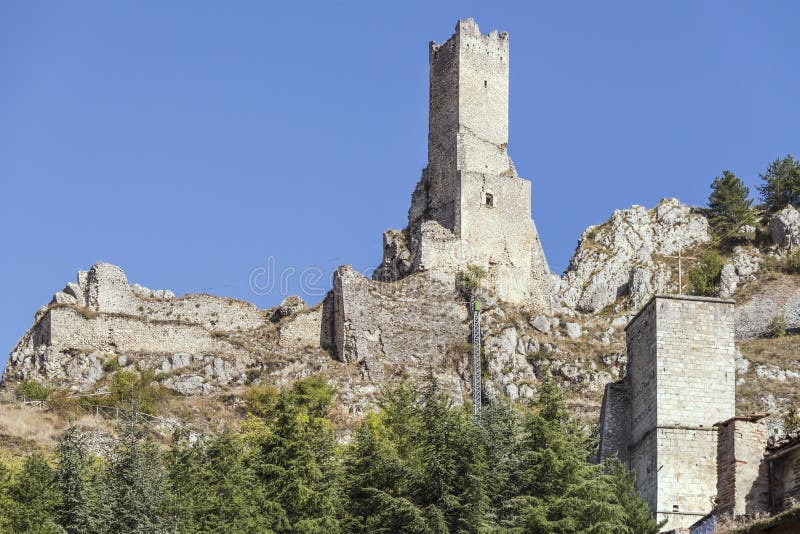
[
  {"x": 470, "y": 206},
  {"x": 742, "y": 471},
  {"x": 680, "y": 382},
  {"x": 397, "y": 329},
  {"x": 101, "y": 315}
]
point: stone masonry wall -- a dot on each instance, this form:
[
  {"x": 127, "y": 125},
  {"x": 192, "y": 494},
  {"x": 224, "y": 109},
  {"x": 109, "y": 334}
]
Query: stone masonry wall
[
  {"x": 615, "y": 422},
  {"x": 686, "y": 474},
  {"x": 470, "y": 190},
  {"x": 682, "y": 381},
  {"x": 394, "y": 330},
  {"x": 742, "y": 472}
]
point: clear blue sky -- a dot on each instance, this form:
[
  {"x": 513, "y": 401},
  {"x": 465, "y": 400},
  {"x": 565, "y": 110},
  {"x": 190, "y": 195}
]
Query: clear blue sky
[{"x": 190, "y": 141}]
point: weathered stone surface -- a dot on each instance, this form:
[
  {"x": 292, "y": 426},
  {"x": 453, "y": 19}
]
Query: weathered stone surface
[
  {"x": 676, "y": 346},
  {"x": 541, "y": 323},
  {"x": 470, "y": 206},
  {"x": 290, "y": 305},
  {"x": 779, "y": 297},
  {"x": 573, "y": 330},
  {"x": 784, "y": 227},
  {"x": 740, "y": 271},
  {"x": 632, "y": 241}
]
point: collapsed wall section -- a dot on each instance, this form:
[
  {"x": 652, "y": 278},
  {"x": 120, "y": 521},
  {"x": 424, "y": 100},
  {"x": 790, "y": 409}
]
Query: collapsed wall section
[{"x": 396, "y": 329}]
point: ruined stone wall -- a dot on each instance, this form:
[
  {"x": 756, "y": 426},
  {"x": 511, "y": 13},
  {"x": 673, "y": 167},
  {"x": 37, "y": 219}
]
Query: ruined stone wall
[
  {"x": 500, "y": 235},
  {"x": 107, "y": 291},
  {"x": 399, "y": 329},
  {"x": 682, "y": 381},
  {"x": 615, "y": 422},
  {"x": 438, "y": 193},
  {"x": 742, "y": 472},
  {"x": 109, "y": 332},
  {"x": 686, "y": 475},
  {"x": 470, "y": 188},
  {"x": 483, "y": 100}
]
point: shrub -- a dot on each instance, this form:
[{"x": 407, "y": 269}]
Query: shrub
[
  {"x": 791, "y": 264},
  {"x": 142, "y": 391},
  {"x": 469, "y": 280},
  {"x": 705, "y": 275},
  {"x": 777, "y": 327},
  {"x": 32, "y": 389},
  {"x": 261, "y": 400},
  {"x": 111, "y": 365}
]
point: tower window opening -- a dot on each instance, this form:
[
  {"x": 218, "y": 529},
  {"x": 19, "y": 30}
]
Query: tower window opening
[
  {"x": 485, "y": 84},
  {"x": 489, "y": 200},
  {"x": 674, "y": 507}
]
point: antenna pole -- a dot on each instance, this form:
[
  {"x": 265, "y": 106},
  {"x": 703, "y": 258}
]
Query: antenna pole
[{"x": 476, "y": 358}]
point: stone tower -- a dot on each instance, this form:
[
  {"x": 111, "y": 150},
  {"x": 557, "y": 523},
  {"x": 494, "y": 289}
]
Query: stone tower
[
  {"x": 470, "y": 206},
  {"x": 661, "y": 419}
]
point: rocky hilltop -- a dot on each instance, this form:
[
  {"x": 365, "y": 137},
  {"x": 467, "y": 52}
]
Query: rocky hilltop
[{"x": 367, "y": 333}]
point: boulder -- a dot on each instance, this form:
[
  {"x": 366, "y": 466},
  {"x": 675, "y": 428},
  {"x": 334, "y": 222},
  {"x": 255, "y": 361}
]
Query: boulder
[
  {"x": 573, "y": 330},
  {"x": 784, "y": 227},
  {"x": 541, "y": 323}
]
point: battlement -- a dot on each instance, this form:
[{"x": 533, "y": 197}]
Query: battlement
[{"x": 471, "y": 206}]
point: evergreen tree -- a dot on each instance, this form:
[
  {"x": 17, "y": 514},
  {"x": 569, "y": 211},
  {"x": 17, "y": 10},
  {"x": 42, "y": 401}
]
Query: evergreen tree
[
  {"x": 419, "y": 466},
  {"x": 137, "y": 482},
  {"x": 781, "y": 185},
  {"x": 501, "y": 427},
  {"x": 84, "y": 510},
  {"x": 35, "y": 498},
  {"x": 379, "y": 484},
  {"x": 453, "y": 463},
  {"x": 216, "y": 491},
  {"x": 296, "y": 458},
  {"x": 638, "y": 518},
  {"x": 561, "y": 492},
  {"x": 729, "y": 207},
  {"x": 5, "y": 500}
]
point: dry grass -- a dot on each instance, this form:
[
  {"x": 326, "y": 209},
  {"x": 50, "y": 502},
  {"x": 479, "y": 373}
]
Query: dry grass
[
  {"x": 25, "y": 428},
  {"x": 781, "y": 351},
  {"x": 762, "y": 523}
]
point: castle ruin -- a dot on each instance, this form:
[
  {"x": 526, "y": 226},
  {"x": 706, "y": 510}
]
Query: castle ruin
[{"x": 470, "y": 205}]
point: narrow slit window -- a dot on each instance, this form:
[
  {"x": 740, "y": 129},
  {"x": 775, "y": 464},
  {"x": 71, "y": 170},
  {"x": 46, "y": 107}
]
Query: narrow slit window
[
  {"x": 485, "y": 84},
  {"x": 489, "y": 200}
]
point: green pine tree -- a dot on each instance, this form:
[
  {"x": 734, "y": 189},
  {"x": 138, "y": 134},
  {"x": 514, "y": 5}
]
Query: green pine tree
[
  {"x": 138, "y": 486},
  {"x": 561, "y": 492},
  {"x": 781, "y": 185},
  {"x": 85, "y": 508},
  {"x": 729, "y": 207},
  {"x": 35, "y": 498},
  {"x": 216, "y": 491},
  {"x": 638, "y": 518},
  {"x": 296, "y": 458}
]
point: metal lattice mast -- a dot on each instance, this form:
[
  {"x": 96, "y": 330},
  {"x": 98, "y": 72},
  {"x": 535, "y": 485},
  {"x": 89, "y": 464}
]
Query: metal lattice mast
[{"x": 476, "y": 358}]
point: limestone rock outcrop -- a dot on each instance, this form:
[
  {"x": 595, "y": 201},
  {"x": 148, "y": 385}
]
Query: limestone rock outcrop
[
  {"x": 784, "y": 227},
  {"x": 622, "y": 256},
  {"x": 776, "y": 298}
]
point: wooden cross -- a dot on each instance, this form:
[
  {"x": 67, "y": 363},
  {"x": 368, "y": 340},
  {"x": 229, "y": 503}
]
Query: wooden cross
[{"x": 680, "y": 259}]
